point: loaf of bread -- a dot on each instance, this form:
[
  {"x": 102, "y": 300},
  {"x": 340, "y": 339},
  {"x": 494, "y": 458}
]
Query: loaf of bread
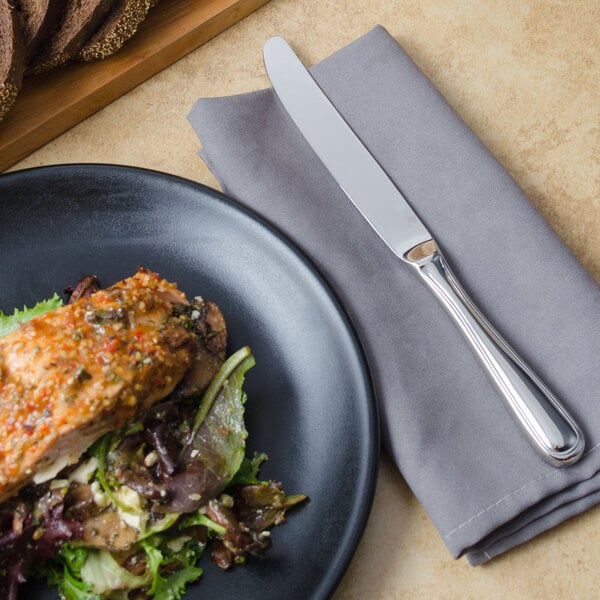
[
  {"x": 38, "y": 35},
  {"x": 12, "y": 55},
  {"x": 40, "y": 18}
]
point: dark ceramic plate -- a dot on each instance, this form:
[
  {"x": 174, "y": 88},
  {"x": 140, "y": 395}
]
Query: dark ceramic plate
[{"x": 310, "y": 404}]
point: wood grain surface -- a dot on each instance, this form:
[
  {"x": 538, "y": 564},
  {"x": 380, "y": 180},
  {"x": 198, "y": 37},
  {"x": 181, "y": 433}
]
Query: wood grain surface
[{"x": 50, "y": 104}]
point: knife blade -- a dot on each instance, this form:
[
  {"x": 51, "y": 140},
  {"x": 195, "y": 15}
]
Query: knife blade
[{"x": 548, "y": 426}]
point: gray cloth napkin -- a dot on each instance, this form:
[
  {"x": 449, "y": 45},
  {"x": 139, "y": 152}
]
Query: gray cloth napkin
[{"x": 443, "y": 423}]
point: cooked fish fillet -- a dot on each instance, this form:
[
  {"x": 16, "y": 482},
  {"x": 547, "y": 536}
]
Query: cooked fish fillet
[{"x": 75, "y": 373}]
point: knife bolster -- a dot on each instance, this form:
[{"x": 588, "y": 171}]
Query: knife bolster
[{"x": 423, "y": 250}]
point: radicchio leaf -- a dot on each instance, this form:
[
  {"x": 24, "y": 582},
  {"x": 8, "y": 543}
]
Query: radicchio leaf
[{"x": 85, "y": 287}]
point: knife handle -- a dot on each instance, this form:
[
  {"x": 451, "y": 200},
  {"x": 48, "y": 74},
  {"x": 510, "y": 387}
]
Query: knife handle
[{"x": 549, "y": 427}]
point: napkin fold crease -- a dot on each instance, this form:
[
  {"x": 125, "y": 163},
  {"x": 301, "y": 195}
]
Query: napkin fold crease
[{"x": 442, "y": 421}]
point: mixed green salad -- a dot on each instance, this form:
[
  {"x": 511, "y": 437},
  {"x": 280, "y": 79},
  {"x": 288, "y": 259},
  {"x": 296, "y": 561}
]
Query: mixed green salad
[{"x": 132, "y": 518}]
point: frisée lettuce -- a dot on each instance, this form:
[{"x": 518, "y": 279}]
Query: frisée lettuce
[{"x": 9, "y": 323}]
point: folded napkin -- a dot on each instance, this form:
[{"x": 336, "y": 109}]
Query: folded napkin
[{"x": 442, "y": 421}]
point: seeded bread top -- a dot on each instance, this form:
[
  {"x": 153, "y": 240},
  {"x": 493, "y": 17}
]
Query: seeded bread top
[{"x": 120, "y": 25}]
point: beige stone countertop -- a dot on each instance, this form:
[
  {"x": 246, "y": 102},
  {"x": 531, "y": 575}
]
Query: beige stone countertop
[{"x": 525, "y": 75}]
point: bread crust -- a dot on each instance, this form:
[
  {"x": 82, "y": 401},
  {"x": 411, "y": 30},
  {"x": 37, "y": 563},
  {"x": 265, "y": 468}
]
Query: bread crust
[
  {"x": 12, "y": 56},
  {"x": 120, "y": 25}
]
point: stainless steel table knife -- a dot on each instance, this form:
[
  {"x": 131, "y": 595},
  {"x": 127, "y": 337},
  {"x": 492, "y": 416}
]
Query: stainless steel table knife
[{"x": 548, "y": 426}]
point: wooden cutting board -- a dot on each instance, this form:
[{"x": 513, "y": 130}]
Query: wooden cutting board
[{"x": 50, "y": 104}]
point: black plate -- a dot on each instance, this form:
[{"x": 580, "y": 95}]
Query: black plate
[{"x": 310, "y": 402}]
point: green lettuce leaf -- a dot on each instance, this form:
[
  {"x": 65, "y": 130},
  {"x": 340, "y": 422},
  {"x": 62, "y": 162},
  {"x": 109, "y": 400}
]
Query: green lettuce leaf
[
  {"x": 248, "y": 471},
  {"x": 172, "y": 585},
  {"x": 103, "y": 574},
  {"x": 9, "y": 323},
  {"x": 223, "y": 430},
  {"x": 64, "y": 571},
  {"x": 228, "y": 379},
  {"x": 199, "y": 518}
]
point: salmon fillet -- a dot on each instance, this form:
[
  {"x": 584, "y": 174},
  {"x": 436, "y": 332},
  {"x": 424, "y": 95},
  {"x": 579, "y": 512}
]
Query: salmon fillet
[{"x": 73, "y": 374}]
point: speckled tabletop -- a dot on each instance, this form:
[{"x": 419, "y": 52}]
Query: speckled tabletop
[{"x": 525, "y": 75}]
